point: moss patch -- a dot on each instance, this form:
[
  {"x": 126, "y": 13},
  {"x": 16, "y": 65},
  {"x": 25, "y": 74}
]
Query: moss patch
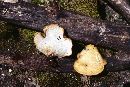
[
  {"x": 27, "y": 34},
  {"x": 59, "y": 79},
  {"x": 15, "y": 40},
  {"x": 87, "y": 7},
  {"x": 22, "y": 43}
]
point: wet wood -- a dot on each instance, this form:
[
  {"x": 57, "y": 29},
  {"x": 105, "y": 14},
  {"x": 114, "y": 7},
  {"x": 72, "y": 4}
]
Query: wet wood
[
  {"x": 78, "y": 27},
  {"x": 38, "y": 62},
  {"x": 121, "y": 6}
]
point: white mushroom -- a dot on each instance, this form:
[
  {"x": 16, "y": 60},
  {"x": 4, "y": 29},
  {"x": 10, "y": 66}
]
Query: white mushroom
[
  {"x": 10, "y": 1},
  {"x": 15, "y": 1},
  {"x": 89, "y": 62},
  {"x": 54, "y": 44}
]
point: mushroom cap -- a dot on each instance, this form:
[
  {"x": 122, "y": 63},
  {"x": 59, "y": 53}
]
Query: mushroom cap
[
  {"x": 89, "y": 61},
  {"x": 87, "y": 70},
  {"x": 10, "y": 1},
  {"x": 53, "y": 44}
]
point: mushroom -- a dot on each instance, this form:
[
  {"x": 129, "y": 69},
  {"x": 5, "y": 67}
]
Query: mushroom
[
  {"x": 54, "y": 44},
  {"x": 10, "y": 1},
  {"x": 89, "y": 61}
]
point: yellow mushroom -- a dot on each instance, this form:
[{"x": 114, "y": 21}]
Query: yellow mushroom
[{"x": 89, "y": 61}]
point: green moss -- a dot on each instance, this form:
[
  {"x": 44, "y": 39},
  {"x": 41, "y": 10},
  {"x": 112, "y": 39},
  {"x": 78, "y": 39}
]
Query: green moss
[
  {"x": 36, "y": 1},
  {"x": 58, "y": 79},
  {"x": 2, "y": 26},
  {"x": 27, "y": 34},
  {"x": 23, "y": 43},
  {"x": 87, "y": 7},
  {"x": 44, "y": 2},
  {"x": 7, "y": 30},
  {"x": 16, "y": 41}
]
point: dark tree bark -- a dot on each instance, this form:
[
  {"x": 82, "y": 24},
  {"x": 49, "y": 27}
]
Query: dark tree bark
[
  {"x": 121, "y": 6},
  {"x": 78, "y": 27},
  {"x": 101, "y": 7},
  {"x": 36, "y": 62}
]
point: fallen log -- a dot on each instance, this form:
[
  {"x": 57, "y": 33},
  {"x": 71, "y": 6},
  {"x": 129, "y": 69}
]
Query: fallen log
[
  {"x": 36, "y": 64},
  {"x": 39, "y": 62},
  {"x": 121, "y": 6},
  {"x": 78, "y": 27}
]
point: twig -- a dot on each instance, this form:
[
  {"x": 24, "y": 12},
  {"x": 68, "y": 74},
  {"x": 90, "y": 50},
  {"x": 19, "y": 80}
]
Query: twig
[
  {"x": 121, "y": 6},
  {"x": 63, "y": 65},
  {"x": 78, "y": 27}
]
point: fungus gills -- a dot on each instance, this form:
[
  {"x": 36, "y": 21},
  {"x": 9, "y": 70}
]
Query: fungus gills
[{"x": 54, "y": 44}]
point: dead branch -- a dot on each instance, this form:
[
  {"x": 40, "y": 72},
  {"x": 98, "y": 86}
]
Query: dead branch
[
  {"x": 78, "y": 27},
  {"x": 36, "y": 62},
  {"x": 121, "y": 6}
]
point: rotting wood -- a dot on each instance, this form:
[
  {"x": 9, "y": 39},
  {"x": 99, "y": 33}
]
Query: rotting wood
[
  {"x": 78, "y": 27},
  {"x": 121, "y": 6},
  {"x": 61, "y": 65}
]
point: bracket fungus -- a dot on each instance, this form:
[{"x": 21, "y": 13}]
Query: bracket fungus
[
  {"x": 54, "y": 43},
  {"x": 89, "y": 61}
]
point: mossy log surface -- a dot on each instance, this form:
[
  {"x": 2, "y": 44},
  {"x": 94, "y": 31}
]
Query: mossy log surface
[
  {"x": 121, "y": 6},
  {"x": 78, "y": 27},
  {"x": 22, "y": 57}
]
